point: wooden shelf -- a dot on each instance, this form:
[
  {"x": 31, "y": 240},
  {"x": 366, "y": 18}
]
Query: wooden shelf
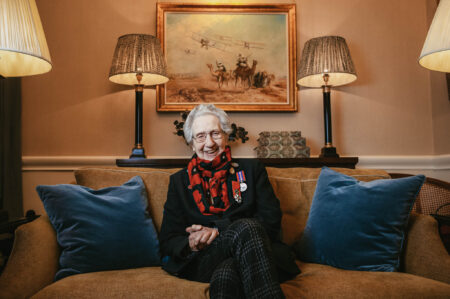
[{"x": 344, "y": 162}]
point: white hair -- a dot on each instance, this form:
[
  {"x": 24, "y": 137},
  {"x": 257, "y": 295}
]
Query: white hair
[{"x": 206, "y": 109}]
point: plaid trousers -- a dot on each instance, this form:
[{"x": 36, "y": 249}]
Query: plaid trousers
[{"x": 237, "y": 264}]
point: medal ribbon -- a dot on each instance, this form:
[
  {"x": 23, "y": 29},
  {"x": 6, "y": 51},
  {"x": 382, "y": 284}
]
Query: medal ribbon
[{"x": 241, "y": 176}]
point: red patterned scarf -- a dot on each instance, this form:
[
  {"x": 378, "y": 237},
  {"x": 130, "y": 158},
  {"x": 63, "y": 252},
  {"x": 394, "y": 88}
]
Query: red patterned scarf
[{"x": 208, "y": 182}]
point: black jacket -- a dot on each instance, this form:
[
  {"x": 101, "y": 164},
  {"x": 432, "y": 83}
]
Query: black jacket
[{"x": 258, "y": 201}]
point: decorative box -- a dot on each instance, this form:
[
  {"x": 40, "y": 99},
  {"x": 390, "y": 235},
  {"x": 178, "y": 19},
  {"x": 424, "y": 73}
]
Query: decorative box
[{"x": 281, "y": 144}]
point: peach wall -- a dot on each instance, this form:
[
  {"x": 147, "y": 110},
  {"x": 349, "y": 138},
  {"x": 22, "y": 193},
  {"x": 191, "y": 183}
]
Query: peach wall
[{"x": 75, "y": 110}]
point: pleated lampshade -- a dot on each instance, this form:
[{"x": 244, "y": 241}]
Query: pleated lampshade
[
  {"x": 326, "y": 55},
  {"x": 138, "y": 54},
  {"x": 23, "y": 47},
  {"x": 436, "y": 49}
]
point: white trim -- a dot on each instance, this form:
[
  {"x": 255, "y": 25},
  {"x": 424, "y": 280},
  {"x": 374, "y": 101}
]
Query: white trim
[
  {"x": 69, "y": 163},
  {"x": 438, "y": 162},
  {"x": 64, "y": 163}
]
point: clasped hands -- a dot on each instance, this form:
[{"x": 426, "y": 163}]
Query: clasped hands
[{"x": 200, "y": 236}]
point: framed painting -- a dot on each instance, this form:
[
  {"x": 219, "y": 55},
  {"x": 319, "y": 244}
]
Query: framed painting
[{"x": 238, "y": 57}]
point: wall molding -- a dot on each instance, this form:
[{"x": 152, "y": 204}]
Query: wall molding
[
  {"x": 69, "y": 163},
  {"x": 437, "y": 162}
]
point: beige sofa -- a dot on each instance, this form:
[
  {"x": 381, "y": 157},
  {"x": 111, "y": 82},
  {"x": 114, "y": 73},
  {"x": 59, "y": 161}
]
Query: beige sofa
[{"x": 34, "y": 260}]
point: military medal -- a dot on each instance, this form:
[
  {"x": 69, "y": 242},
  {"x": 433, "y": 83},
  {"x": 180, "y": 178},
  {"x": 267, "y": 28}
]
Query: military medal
[
  {"x": 236, "y": 192},
  {"x": 241, "y": 178},
  {"x": 237, "y": 196}
]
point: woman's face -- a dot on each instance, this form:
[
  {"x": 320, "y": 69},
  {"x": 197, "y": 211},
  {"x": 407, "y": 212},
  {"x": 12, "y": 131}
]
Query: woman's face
[{"x": 208, "y": 126}]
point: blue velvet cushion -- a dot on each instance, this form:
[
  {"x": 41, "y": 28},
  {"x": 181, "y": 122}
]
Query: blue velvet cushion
[
  {"x": 104, "y": 229},
  {"x": 358, "y": 225}
]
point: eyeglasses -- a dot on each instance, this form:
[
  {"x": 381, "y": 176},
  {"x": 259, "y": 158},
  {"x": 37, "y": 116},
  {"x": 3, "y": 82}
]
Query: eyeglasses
[{"x": 201, "y": 137}]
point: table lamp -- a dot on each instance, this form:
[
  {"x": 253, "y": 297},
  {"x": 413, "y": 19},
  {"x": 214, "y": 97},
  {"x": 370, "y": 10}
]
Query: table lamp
[
  {"x": 23, "y": 47},
  {"x": 326, "y": 62},
  {"x": 436, "y": 49},
  {"x": 138, "y": 60}
]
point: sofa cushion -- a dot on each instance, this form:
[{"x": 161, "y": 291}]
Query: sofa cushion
[
  {"x": 101, "y": 229},
  {"x": 358, "y": 225},
  {"x": 322, "y": 281},
  {"x": 295, "y": 187},
  {"x": 149, "y": 282},
  {"x": 156, "y": 182}
]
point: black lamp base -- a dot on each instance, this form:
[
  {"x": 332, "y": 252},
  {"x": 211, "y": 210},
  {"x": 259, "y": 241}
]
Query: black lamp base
[
  {"x": 138, "y": 153},
  {"x": 328, "y": 152}
]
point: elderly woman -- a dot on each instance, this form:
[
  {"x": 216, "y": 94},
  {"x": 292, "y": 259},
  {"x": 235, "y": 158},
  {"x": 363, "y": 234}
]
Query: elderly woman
[{"x": 222, "y": 220}]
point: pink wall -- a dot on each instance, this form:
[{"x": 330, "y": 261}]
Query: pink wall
[{"x": 394, "y": 108}]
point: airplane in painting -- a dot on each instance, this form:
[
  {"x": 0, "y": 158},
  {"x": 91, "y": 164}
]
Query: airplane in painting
[
  {"x": 249, "y": 45},
  {"x": 215, "y": 41},
  {"x": 223, "y": 38}
]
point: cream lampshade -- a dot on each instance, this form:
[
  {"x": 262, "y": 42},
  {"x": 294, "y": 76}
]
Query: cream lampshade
[
  {"x": 436, "y": 49},
  {"x": 23, "y": 48},
  {"x": 326, "y": 62}
]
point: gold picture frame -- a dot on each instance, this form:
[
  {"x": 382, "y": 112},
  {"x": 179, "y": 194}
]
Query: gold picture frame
[{"x": 238, "y": 57}]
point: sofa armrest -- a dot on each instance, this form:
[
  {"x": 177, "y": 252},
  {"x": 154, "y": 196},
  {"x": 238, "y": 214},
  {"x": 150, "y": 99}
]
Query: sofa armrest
[
  {"x": 425, "y": 254},
  {"x": 33, "y": 261}
]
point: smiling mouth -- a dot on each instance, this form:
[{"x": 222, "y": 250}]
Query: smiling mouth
[{"x": 211, "y": 152}]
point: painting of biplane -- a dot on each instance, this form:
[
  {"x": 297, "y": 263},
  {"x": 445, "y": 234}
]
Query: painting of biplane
[{"x": 238, "y": 57}]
